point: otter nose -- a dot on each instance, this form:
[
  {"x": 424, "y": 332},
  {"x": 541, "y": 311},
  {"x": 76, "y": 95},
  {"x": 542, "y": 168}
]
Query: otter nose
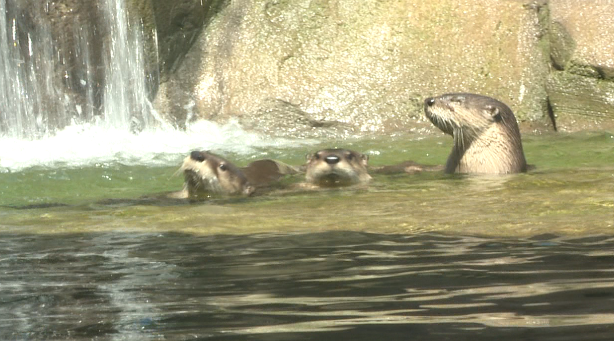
[
  {"x": 429, "y": 101},
  {"x": 331, "y": 160},
  {"x": 197, "y": 156}
]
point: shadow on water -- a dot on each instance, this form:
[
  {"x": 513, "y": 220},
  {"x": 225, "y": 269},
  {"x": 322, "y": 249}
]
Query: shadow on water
[{"x": 324, "y": 286}]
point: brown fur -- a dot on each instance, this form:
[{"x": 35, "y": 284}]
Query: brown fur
[
  {"x": 337, "y": 167},
  {"x": 485, "y": 132},
  {"x": 208, "y": 174}
]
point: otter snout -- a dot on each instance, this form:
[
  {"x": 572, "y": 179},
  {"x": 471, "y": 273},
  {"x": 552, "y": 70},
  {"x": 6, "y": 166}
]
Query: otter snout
[
  {"x": 332, "y": 159},
  {"x": 485, "y": 132},
  {"x": 337, "y": 167}
]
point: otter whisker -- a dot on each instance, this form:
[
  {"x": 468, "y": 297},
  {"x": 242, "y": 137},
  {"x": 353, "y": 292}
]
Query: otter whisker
[{"x": 177, "y": 172}]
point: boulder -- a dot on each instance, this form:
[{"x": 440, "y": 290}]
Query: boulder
[
  {"x": 178, "y": 24},
  {"x": 348, "y": 67},
  {"x": 581, "y": 86}
]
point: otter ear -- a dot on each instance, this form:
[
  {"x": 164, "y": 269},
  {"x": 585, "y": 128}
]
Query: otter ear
[
  {"x": 365, "y": 159},
  {"x": 312, "y": 156},
  {"x": 249, "y": 190},
  {"x": 494, "y": 112}
]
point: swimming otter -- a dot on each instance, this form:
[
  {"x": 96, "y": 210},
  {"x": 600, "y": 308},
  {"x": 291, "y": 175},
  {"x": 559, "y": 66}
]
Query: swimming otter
[
  {"x": 208, "y": 174},
  {"x": 485, "y": 132},
  {"x": 336, "y": 167}
]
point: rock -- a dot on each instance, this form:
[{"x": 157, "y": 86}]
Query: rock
[
  {"x": 178, "y": 24},
  {"x": 581, "y": 93},
  {"x": 312, "y": 68},
  {"x": 582, "y": 35},
  {"x": 581, "y": 103},
  {"x": 357, "y": 66}
]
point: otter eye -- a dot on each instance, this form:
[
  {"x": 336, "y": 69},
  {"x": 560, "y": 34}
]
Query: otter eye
[
  {"x": 316, "y": 156},
  {"x": 223, "y": 167},
  {"x": 350, "y": 156}
]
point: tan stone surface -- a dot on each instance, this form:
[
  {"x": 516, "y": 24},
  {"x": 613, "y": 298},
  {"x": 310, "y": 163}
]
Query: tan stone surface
[
  {"x": 357, "y": 66},
  {"x": 581, "y": 92},
  {"x": 590, "y": 25}
]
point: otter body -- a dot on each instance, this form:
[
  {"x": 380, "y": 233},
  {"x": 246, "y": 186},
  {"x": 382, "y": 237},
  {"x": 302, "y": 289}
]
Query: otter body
[
  {"x": 485, "y": 131},
  {"x": 208, "y": 174},
  {"x": 336, "y": 167}
]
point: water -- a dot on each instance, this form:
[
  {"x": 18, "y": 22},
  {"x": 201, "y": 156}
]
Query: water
[
  {"x": 433, "y": 256},
  {"x": 86, "y": 145},
  {"x": 426, "y": 257},
  {"x": 26, "y": 76},
  {"x": 322, "y": 286},
  {"x": 90, "y": 72}
]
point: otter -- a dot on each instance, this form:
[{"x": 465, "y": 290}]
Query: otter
[
  {"x": 336, "y": 167},
  {"x": 409, "y": 167},
  {"x": 485, "y": 131},
  {"x": 208, "y": 174}
]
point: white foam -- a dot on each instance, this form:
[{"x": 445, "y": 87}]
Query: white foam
[{"x": 90, "y": 144}]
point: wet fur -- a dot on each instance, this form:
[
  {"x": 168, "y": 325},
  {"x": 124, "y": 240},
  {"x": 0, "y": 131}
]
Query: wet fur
[
  {"x": 485, "y": 132},
  {"x": 349, "y": 168},
  {"x": 208, "y": 174}
]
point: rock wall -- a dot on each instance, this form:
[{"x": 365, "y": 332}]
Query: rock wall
[
  {"x": 341, "y": 67},
  {"x": 581, "y": 84},
  {"x": 357, "y": 66},
  {"x": 346, "y": 67},
  {"x": 178, "y": 24}
]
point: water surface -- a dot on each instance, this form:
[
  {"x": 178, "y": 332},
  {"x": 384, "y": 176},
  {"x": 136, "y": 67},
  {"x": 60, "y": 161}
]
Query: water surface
[{"x": 427, "y": 256}]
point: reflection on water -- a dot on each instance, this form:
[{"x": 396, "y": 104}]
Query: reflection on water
[{"x": 324, "y": 286}]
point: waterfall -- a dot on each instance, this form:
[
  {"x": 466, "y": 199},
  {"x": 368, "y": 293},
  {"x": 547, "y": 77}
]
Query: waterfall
[
  {"x": 125, "y": 99},
  {"x": 75, "y": 92},
  {"x": 50, "y": 80},
  {"x": 25, "y": 77}
]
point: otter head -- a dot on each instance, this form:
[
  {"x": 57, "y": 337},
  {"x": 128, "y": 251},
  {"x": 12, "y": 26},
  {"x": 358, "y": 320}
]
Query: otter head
[
  {"x": 208, "y": 174},
  {"x": 337, "y": 167},
  {"x": 462, "y": 114},
  {"x": 485, "y": 131}
]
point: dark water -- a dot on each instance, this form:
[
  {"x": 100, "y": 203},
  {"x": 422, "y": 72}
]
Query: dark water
[{"x": 309, "y": 286}]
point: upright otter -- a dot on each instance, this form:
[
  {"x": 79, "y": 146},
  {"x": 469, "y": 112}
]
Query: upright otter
[
  {"x": 336, "y": 167},
  {"x": 485, "y": 132}
]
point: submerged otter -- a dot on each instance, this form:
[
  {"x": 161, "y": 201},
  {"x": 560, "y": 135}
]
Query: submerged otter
[
  {"x": 208, "y": 174},
  {"x": 337, "y": 167},
  {"x": 485, "y": 132}
]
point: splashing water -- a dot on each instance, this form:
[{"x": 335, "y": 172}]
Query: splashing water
[
  {"x": 87, "y": 144},
  {"x": 43, "y": 123}
]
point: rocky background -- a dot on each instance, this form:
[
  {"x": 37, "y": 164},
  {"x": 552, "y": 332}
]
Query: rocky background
[
  {"x": 356, "y": 67},
  {"x": 321, "y": 67}
]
